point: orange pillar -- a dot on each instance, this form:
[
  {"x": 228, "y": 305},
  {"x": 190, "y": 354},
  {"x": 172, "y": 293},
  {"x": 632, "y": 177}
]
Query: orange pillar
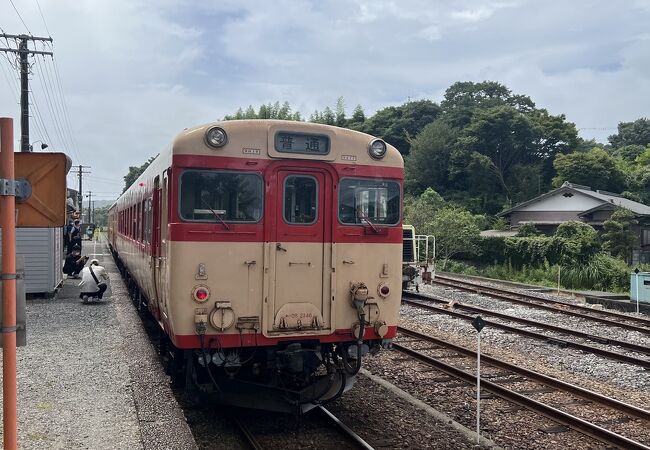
[{"x": 8, "y": 225}]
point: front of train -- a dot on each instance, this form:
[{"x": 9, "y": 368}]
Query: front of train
[{"x": 283, "y": 260}]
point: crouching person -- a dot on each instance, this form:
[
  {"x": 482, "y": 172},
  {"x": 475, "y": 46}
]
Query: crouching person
[
  {"x": 74, "y": 263},
  {"x": 93, "y": 281}
]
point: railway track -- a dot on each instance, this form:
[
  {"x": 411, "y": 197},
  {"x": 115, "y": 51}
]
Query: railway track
[
  {"x": 611, "y": 318},
  {"x": 347, "y": 433},
  {"x": 506, "y": 371},
  {"x": 417, "y": 300}
]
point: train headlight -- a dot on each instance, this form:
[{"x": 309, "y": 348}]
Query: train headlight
[
  {"x": 377, "y": 149},
  {"x": 216, "y": 137},
  {"x": 201, "y": 294}
]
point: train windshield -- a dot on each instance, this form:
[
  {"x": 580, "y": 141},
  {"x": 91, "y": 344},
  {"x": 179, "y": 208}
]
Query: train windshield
[
  {"x": 375, "y": 201},
  {"x": 212, "y": 196}
]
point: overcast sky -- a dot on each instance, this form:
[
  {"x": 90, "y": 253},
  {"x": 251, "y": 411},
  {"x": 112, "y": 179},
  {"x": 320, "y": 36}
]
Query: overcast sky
[{"x": 134, "y": 73}]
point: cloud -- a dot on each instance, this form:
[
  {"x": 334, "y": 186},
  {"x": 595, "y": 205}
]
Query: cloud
[{"x": 135, "y": 73}]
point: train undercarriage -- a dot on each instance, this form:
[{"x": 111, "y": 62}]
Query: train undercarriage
[{"x": 291, "y": 378}]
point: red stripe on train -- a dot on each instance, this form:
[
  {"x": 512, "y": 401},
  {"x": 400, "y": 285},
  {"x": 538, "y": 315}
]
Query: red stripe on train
[
  {"x": 253, "y": 340},
  {"x": 276, "y": 230}
]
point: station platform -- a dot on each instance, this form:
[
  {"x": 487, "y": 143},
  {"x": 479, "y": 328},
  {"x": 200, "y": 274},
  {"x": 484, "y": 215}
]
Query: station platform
[{"x": 89, "y": 377}]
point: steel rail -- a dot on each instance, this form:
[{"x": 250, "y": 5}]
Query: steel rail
[
  {"x": 592, "y": 337},
  {"x": 358, "y": 440},
  {"x": 575, "y": 423},
  {"x": 251, "y": 440},
  {"x": 519, "y": 298},
  {"x": 539, "y": 377},
  {"x": 563, "y": 342},
  {"x": 640, "y": 320}
]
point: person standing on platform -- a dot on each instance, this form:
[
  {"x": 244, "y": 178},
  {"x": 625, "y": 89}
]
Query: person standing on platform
[
  {"x": 66, "y": 236},
  {"x": 74, "y": 236}
]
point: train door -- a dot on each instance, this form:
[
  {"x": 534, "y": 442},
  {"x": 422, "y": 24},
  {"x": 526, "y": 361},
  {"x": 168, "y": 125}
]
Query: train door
[
  {"x": 300, "y": 288},
  {"x": 159, "y": 247}
]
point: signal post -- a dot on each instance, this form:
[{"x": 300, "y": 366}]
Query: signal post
[{"x": 8, "y": 278}]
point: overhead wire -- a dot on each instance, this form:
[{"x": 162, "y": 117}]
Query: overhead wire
[
  {"x": 20, "y": 17},
  {"x": 43, "y": 17},
  {"x": 39, "y": 117},
  {"x": 55, "y": 101},
  {"x": 64, "y": 103},
  {"x": 51, "y": 108}
]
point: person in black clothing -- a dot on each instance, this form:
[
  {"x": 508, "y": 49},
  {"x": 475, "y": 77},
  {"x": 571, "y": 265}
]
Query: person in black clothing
[
  {"x": 66, "y": 236},
  {"x": 74, "y": 237},
  {"x": 74, "y": 263}
]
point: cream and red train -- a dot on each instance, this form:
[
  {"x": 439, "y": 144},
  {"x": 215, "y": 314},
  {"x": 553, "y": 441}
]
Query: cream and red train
[{"x": 270, "y": 253}]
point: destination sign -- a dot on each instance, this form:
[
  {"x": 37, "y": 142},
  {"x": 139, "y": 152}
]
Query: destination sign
[{"x": 309, "y": 144}]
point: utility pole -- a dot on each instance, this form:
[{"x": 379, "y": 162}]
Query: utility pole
[
  {"x": 80, "y": 196},
  {"x": 90, "y": 201},
  {"x": 23, "y": 52},
  {"x": 92, "y": 219}
]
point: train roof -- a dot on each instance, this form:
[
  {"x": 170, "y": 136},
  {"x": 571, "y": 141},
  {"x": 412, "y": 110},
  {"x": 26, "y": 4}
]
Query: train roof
[{"x": 257, "y": 138}]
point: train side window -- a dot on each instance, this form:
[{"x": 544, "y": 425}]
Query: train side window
[
  {"x": 133, "y": 222},
  {"x": 366, "y": 200},
  {"x": 147, "y": 220},
  {"x": 300, "y": 199}
]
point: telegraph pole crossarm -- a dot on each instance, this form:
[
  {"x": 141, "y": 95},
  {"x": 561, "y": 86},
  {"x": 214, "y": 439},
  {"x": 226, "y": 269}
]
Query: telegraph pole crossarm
[{"x": 24, "y": 52}]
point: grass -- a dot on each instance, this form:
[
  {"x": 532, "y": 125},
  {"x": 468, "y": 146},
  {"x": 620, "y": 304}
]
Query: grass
[{"x": 602, "y": 273}]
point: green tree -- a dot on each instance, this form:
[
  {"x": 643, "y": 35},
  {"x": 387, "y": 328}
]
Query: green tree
[
  {"x": 357, "y": 119},
  {"x": 100, "y": 216},
  {"x": 618, "y": 236},
  {"x": 456, "y": 232},
  {"x": 576, "y": 230},
  {"x": 632, "y": 133},
  {"x": 328, "y": 116},
  {"x": 397, "y": 125},
  {"x": 135, "y": 172},
  {"x": 266, "y": 111},
  {"x": 528, "y": 230},
  {"x": 643, "y": 159},
  {"x": 464, "y": 98},
  {"x": 629, "y": 153},
  {"x": 427, "y": 164},
  {"x": 420, "y": 211},
  {"x": 339, "y": 113},
  {"x": 595, "y": 168}
]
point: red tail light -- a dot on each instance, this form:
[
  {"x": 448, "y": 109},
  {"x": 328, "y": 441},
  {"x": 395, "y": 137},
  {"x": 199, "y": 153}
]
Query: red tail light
[{"x": 201, "y": 293}]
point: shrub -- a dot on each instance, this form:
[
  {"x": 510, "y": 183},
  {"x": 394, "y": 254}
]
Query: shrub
[
  {"x": 528, "y": 230},
  {"x": 601, "y": 272}
]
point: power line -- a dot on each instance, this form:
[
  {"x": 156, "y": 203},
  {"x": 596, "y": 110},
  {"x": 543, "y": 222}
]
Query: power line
[
  {"x": 65, "y": 104},
  {"x": 20, "y": 17},
  {"x": 50, "y": 107},
  {"x": 43, "y": 17},
  {"x": 56, "y": 80},
  {"x": 51, "y": 95},
  {"x": 39, "y": 116}
]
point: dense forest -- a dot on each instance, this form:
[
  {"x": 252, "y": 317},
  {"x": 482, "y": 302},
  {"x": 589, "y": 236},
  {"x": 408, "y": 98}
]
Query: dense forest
[{"x": 483, "y": 149}]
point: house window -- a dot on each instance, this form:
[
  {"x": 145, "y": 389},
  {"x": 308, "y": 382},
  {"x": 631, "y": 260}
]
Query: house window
[{"x": 567, "y": 194}]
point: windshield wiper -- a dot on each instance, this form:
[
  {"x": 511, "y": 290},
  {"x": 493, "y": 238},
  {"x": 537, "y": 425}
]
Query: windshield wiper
[
  {"x": 216, "y": 215},
  {"x": 363, "y": 216}
]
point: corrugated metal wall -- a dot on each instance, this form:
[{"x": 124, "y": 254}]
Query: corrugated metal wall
[{"x": 42, "y": 249}]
